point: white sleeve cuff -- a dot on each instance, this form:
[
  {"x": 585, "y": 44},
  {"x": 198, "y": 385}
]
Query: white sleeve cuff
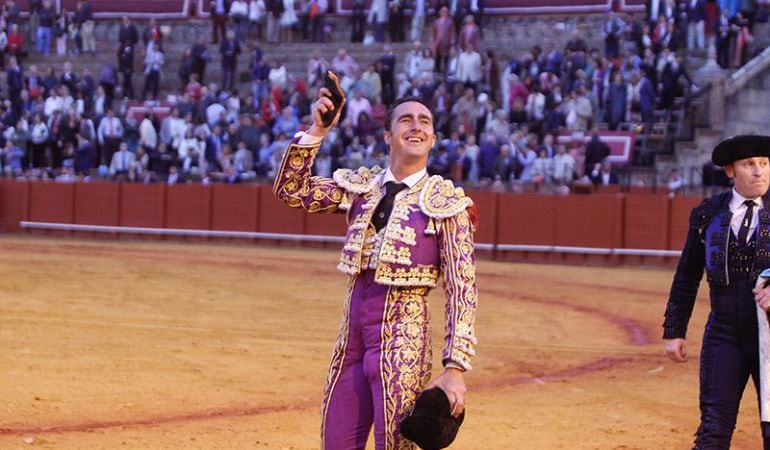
[{"x": 307, "y": 139}]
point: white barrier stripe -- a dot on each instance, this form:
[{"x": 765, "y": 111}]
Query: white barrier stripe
[
  {"x": 582, "y": 250},
  {"x": 181, "y": 232},
  {"x": 525, "y": 248},
  {"x": 645, "y": 252},
  {"x": 339, "y": 239}
]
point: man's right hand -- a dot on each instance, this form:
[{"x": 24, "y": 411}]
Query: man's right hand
[
  {"x": 677, "y": 349},
  {"x": 321, "y": 106}
]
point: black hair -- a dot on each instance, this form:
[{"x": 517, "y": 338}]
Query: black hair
[{"x": 406, "y": 99}]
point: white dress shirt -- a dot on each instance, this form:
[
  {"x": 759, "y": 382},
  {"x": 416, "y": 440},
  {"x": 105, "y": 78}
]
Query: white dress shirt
[{"x": 739, "y": 210}]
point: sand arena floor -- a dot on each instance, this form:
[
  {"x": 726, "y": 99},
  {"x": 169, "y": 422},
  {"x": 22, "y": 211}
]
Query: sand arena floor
[{"x": 201, "y": 346}]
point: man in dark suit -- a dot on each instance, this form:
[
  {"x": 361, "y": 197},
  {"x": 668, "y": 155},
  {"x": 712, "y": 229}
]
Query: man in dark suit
[
  {"x": 128, "y": 34},
  {"x": 729, "y": 237},
  {"x": 230, "y": 49},
  {"x": 596, "y": 151},
  {"x": 722, "y": 32}
]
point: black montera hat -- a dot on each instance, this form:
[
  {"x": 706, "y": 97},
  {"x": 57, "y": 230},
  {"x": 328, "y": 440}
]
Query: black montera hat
[
  {"x": 740, "y": 147},
  {"x": 431, "y": 425}
]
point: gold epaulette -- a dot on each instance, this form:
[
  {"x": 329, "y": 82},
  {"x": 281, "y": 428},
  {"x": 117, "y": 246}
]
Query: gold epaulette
[
  {"x": 439, "y": 198},
  {"x": 359, "y": 181}
]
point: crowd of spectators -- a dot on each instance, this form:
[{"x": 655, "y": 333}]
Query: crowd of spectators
[{"x": 498, "y": 122}]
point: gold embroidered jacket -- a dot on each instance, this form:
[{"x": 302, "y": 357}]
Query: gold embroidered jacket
[{"x": 429, "y": 232}]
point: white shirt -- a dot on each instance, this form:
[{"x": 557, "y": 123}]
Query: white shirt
[
  {"x": 739, "y": 210},
  {"x": 410, "y": 181}
]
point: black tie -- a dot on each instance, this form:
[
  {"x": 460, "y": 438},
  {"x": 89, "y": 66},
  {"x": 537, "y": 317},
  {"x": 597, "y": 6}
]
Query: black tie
[
  {"x": 382, "y": 213},
  {"x": 743, "y": 231}
]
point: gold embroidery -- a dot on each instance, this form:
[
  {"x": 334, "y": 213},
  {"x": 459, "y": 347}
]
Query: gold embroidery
[
  {"x": 460, "y": 287},
  {"x": 405, "y": 358},
  {"x": 359, "y": 181},
  {"x": 440, "y": 199},
  {"x": 295, "y": 187},
  {"x": 420, "y": 275},
  {"x": 405, "y": 234},
  {"x": 389, "y": 254}
]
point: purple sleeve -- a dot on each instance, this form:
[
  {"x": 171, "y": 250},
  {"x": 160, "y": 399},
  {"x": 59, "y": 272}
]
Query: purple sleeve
[
  {"x": 458, "y": 263},
  {"x": 295, "y": 186}
]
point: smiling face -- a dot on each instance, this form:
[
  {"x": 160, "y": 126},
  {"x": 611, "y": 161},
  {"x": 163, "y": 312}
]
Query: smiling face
[
  {"x": 411, "y": 134},
  {"x": 751, "y": 176}
]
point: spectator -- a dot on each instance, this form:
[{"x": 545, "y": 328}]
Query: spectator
[
  {"x": 109, "y": 134},
  {"x": 613, "y": 31},
  {"x": 85, "y": 21},
  {"x": 470, "y": 35},
  {"x": 257, "y": 13},
  {"x": 12, "y": 157},
  {"x": 61, "y": 31},
  {"x": 239, "y": 14},
  {"x": 504, "y": 165},
  {"x": 317, "y": 19},
  {"x": 278, "y": 75},
  {"x": 579, "y": 111},
  {"x": 396, "y": 21},
  {"x": 563, "y": 166},
  {"x": 412, "y": 61},
  {"x": 542, "y": 169},
  {"x": 676, "y": 183},
  {"x": 696, "y": 24},
  {"x": 418, "y": 20},
  {"x": 229, "y": 49},
  {"x": 15, "y": 47},
  {"x": 219, "y": 10},
  {"x": 378, "y": 15},
  {"x": 148, "y": 135},
  {"x": 469, "y": 67},
  {"x": 596, "y": 151},
  {"x": 722, "y": 34},
  {"x": 189, "y": 150},
  {"x": 288, "y": 20},
  {"x": 344, "y": 65},
  {"x": 443, "y": 38},
  {"x": 316, "y": 68},
  {"x": 153, "y": 65},
  {"x": 602, "y": 174},
  {"x": 356, "y": 106},
  {"x": 45, "y": 29},
  {"x": 185, "y": 67},
  {"x": 128, "y": 34},
  {"x": 201, "y": 57},
  {"x": 126, "y": 69},
  {"x": 525, "y": 158},
  {"x": 39, "y": 134},
  {"x": 275, "y": 9},
  {"x": 616, "y": 105},
  {"x": 121, "y": 163},
  {"x": 358, "y": 22}
]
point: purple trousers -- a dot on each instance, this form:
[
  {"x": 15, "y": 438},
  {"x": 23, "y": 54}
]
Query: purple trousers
[{"x": 381, "y": 362}]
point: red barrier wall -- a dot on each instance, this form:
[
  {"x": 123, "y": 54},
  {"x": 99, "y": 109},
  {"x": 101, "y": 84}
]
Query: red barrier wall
[
  {"x": 646, "y": 222},
  {"x": 486, "y": 210},
  {"x": 589, "y": 221},
  {"x": 50, "y": 201},
  {"x": 188, "y": 206},
  {"x": 679, "y": 222},
  {"x": 14, "y": 204},
  {"x": 97, "y": 204},
  {"x": 526, "y": 219},
  {"x": 275, "y": 217},
  {"x": 142, "y": 205},
  {"x": 604, "y": 221},
  {"x": 234, "y": 207}
]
